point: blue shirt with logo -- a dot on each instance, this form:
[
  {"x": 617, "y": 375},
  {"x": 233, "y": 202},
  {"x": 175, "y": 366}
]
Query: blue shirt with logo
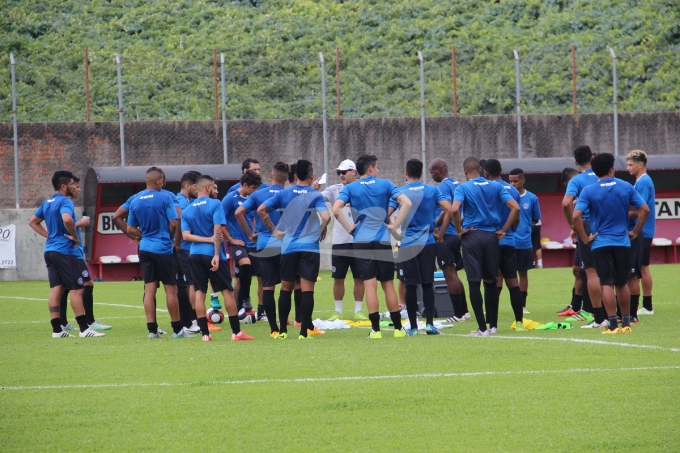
[
  {"x": 418, "y": 226},
  {"x": 199, "y": 218},
  {"x": 448, "y": 189},
  {"x": 238, "y": 184},
  {"x": 645, "y": 187},
  {"x": 230, "y": 203},
  {"x": 509, "y": 238},
  {"x": 369, "y": 198},
  {"x": 50, "y": 211},
  {"x": 578, "y": 183},
  {"x": 183, "y": 202},
  {"x": 299, "y": 220},
  {"x": 529, "y": 212},
  {"x": 151, "y": 211},
  {"x": 126, "y": 205},
  {"x": 608, "y": 201},
  {"x": 480, "y": 206},
  {"x": 265, "y": 239}
]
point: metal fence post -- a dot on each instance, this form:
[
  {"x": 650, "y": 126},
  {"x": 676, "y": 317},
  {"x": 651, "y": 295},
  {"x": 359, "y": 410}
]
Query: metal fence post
[
  {"x": 573, "y": 78},
  {"x": 423, "y": 132},
  {"x": 325, "y": 123},
  {"x": 120, "y": 112},
  {"x": 224, "y": 114},
  {"x": 453, "y": 77},
  {"x": 337, "y": 81},
  {"x": 519, "y": 109},
  {"x": 615, "y": 104},
  {"x": 16, "y": 132}
]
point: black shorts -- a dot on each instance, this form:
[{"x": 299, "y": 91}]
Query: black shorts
[
  {"x": 536, "y": 237},
  {"x": 508, "y": 261},
  {"x": 611, "y": 264},
  {"x": 238, "y": 252},
  {"x": 84, "y": 270},
  {"x": 269, "y": 262},
  {"x": 156, "y": 267},
  {"x": 646, "y": 250},
  {"x": 584, "y": 251},
  {"x": 186, "y": 267},
  {"x": 525, "y": 259},
  {"x": 219, "y": 279},
  {"x": 374, "y": 260},
  {"x": 481, "y": 255},
  {"x": 300, "y": 264},
  {"x": 577, "y": 256},
  {"x": 181, "y": 281},
  {"x": 635, "y": 263},
  {"x": 342, "y": 259},
  {"x": 419, "y": 269},
  {"x": 65, "y": 270},
  {"x": 448, "y": 252}
]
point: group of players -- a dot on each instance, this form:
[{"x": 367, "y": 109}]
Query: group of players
[{"x": 272, "y": 233}]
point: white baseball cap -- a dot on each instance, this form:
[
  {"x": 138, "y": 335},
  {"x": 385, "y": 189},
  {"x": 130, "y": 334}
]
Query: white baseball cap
[{"x": 347, "y": 164}]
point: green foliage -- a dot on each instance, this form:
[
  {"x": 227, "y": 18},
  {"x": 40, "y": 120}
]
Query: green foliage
[{"x": 271, "y": 50}]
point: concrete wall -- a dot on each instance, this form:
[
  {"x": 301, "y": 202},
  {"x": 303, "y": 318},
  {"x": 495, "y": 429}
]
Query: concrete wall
[{"x": 29, "y": 247}]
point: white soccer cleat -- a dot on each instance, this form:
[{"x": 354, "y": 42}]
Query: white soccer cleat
[
  {"x": 644, "y": 311},
  {"x": 89, "y": 333},
  {"x": 68, "y": 327},
  {"x": 160, "y": 331},
  {"x": 594, "y": 325},
  {"x": 493, "y": 331},
  {"x": 479, "y": 333},
  {"x": 62, "y": 334},
  {"x": 466, "y": 316},
  {"x": 99, "y": 326},
  {"x": 194, "y": 328}
]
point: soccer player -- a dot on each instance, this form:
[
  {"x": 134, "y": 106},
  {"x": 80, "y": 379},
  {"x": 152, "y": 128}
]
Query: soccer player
[
  {"x": 480, "y": 233},
  {"x": 583, "y": 156},
  {"x": 637, "y": 166},
  {"x": 508, "y": 253},
  {"x": 63, "y": 270},
  {"x": 297, "y": 292},
  {"x": 268, "y": 246},
  {"x": 530, "y": 215},
  {"x": 370, "y": 196},
  {"x": 448, "y": 250},
  {"x": 152, "y": 221},
  {"x": 608, "y": 202},
  {"x": 417, "y": 252},
  {"x": 249, "y": 164},
  {"x": 300, "y": 232},
  {"x": 342, "y": 257},
  {"x": 240, "y": 245},
  {"x": 202, "y": 223}
]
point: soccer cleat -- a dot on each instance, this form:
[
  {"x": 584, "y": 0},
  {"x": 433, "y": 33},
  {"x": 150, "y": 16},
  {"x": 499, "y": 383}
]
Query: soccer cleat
[
  {"x": 336, "y": 315},
  {"x": 493, "y": 331},
  {"x": 525, "y": 311},
  {"x": 241, "y": 336},
  {"x": 626, "y": 329},
  {"x": 479, "y": 333},
  {"x": 215, "y": 302},
  {"x": 374, "y": 335},
  {"x": 282, "y": 336},
  {"x": 634, "y": 321},
  {"x": 302, "y": 337},
  {"x": 455, "y": 319},
  {"x": 212, "y": 327},
  {"x": 263, "y": 318},
  {"x": 594, "y": 325},
  {"x": 99, "y": 326},
  {"x": 89, "y": 333},
  {"x": 412, "y": 332},
  {"x": 519, "y": 327},
  {"x": 466, "y": 316},
  {"x": 567, "y": 312},
  {"x": 644, "y": 311},
  {"x": 431, "y": 330},
  {"x": 580, "y": 317},
  {"x": 207, "y": 337},
  {"x": 68, "y": 327},
  {"x": 160, "y": 331},
  {"x": 182, "y": 334},
  {"x": 360, "y": 316},
  {"x": 62, "y": 334},
  {"x": 194, "y": 327},
  {"x": 297, "y": 324},
  {"x": 401, "y": 333},
  {"x": 153, "y": 336},
  {"x": 316, "y": 331},
  {"x": 612, "y": 331},
  {"x": 273, "y": 334}
]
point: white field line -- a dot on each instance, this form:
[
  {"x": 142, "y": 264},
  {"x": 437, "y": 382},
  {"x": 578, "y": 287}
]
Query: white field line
[
  {"x": 96, "y": 303},
  {"x": 341, "y": 378}
]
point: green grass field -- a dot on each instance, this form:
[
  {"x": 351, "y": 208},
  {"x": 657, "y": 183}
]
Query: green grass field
[{"x": 565, "y": 390}]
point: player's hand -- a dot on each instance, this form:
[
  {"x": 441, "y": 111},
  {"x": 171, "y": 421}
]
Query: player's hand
[
  {"x": 237, "y": 242},
  {"x": 84, "y": 222},
  {"x": 590, "y": 238},
  {"x": 500, "y": 234},
  {"x": 462, "y": 232},
  {"x": 278, "y": 234},
  {"x": 574, "y": 236},
  {"x": 315, "y": 184},
  {"x": 215, "y": 263},
  {"x": 75, "y": 240},
  {"x": 632, "y": 234},
  {"x": 253, "y": 237},
  {"x": 176, "y": 246},
  {"x": 439, "y": 236},
  {"x": 351, "y": 231}
]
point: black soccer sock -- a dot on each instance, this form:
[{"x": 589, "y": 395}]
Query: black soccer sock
[
  {"x": 395, "y": 316},
  {"x": 477, "y": 304},
  {"x": 63, "y": 305},
  {"x": 598, "y": 313},
  {"x": 203, "y": 325},
  {"x": 193, "y": 313},
  {"x": 82, "y": 323},
  {"x": 491, "y": 303},
  {"x": 152, "y": 327},
  {"x": 647, "y": 303},
  {"x": 297, "y": 297},
  {"x": 613, "y": 322},
  {"x": 576, "y": 301},
  {"x": 515, "y": 303},
  {"x": 176, "y": 326},
  {"x": 412, "y": 305},
  {"x": 244, "y": 277},
  {"x": 260, "y": 310},
  {"x": 284, "y": 310},
  {"x": 625, "y": 321},
  {"x": 457, "y": 302},
  {"x": 88, "y": 303},
  {"x": 375, "y": 321},
  {"x": 184, "y": 306},
  {"x": 587, "y": 303},
  {"x": 234, "y": 324},
  {"x": 269, "y": 306},
  {"x": 56, "y": 325},
  {"x": 428, "y": 301},
  {"x": 465, "y": 304},
  {"x": 524, "y": 299},
  {"x": 306, "y": 309},
  {"x": 634, "y": 304}
]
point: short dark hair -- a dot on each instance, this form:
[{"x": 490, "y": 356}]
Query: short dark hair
[
  {"x": 471, "y": 164},
  {"x": 482, "y": 162},
  {"x": 303, "y": 169},
  {"x": 60, "y": 178},
  {"x": 493, "y": 167},
  {"x": 191, "y": 177},
  {"x": 583, "y": 154},
  {"x": 602, "y": 163},
  {"x": 517, "y": 172},
  {"x": 246, "y": 163},
  {"x": 202, "y": 178},
  {"x": 637, "y": 155},
  {"x": 76, "y": 179},
  {"x": 365, "y": 161},
  {"x": 291, "y": 173},
  {"x": 280, "y": 171},
  {"x": 250, "y": 178},
  {"x": 414, "y": 168},
  {"x": 567, "y": 174}
]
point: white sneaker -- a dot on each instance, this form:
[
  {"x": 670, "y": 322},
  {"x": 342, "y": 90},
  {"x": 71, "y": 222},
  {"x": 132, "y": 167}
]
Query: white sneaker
[
  {"x": 493, "y": 331},
  {"x": 455, "y": 319},
  {"x": 62, "y": 334},
  {"x": 70, "y": 327},
  {"x": 90, "y": 333},
  {"x": 479, "y": 333},
  {"x": 99, "y": 326},
  {"x": 160, "y": 331},
  {"x": 594, "y": 325},
  {"x": 184, "y": 333},
  {"x": 644, "y": 311},
  {"x": 466, "y": 316},
  {"x": 194, "y": 327},
  {"x": 525, "y": 311}
]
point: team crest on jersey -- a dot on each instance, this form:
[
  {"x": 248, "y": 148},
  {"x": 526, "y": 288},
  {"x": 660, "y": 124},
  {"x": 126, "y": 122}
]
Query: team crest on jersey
[
  {"x": 86, "y": 274},
  {"x": 525, "y": 205}
]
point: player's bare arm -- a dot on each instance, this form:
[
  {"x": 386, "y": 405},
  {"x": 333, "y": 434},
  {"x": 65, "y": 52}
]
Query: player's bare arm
[
  {"x": 642, "y": 214},
  {"x": 189, "y": 237},
  {"x": 568, "y": 209},
  {"x": 513, "y": 217},
  {"x": 119, "y": 219},
  {"x": 36, "y": 224},
  {"x": 445, "y": 218},
  {"x": 229, "y": 238},
  {"x": 577, "y": 222},
  {"x": 70, "y": 226},
  {"x": 241, "y": 219},
  {"x": 263, "y": 212},
  {"x": 455, "y": 217},
  {"x": 217, "y": 244},
  {"x": 404, "y": 208}
]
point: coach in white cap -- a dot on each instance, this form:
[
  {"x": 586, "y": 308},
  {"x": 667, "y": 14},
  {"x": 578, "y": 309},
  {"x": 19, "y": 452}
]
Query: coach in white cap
[{"x": 343, "y": 253}]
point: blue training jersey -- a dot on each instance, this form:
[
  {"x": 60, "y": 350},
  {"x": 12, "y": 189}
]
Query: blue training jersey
[
  {"x": 183, "y": 202},
  {"x": 151, "y": 211},
  {"x": 300, "y": 205},
  {"x": 509, "y": 238},
  {"x": 645, "y": 187},
  {"x": 238, "y": 184},
  {"x": 230, "y": 203},
  {"x": 265, "y": 239},
  {"x": 480, "y": 207},
  {"x": 370, "y": 198},
  {"x": 418, "y": 226},
  {"x": 448, "y": 189},
  {"x": 126, "y": 205},
  {"x": 529, "y": 212},
  {"x": 200, "y": 218},
  {"x": 578, "y": 183},
  {"x": 608, "y": 201},
  {"x": 50, "y": 211}
]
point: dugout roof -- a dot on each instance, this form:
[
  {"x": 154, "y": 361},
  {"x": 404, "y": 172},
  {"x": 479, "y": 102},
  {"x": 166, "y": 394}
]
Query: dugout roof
[{"x": 538, "y": 165}]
